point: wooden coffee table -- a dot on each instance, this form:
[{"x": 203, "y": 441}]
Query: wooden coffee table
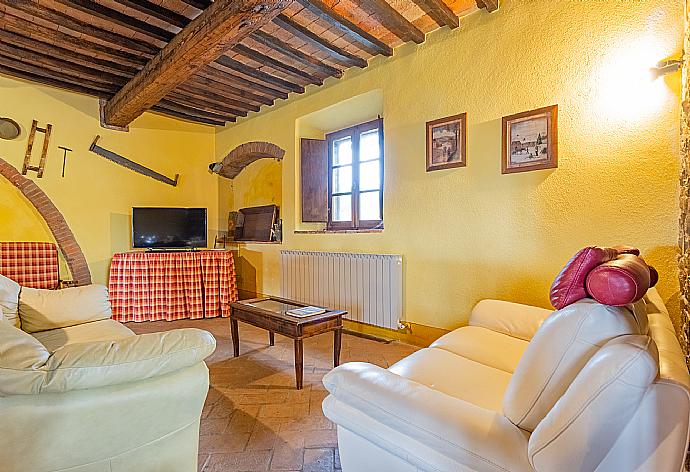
[{"x": 269, "y": 313}]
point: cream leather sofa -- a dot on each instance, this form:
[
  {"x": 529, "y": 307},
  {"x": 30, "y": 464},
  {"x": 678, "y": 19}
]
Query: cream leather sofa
[
  {"x": 83, "y": 393},
  {"x": 592, "y": 388}
]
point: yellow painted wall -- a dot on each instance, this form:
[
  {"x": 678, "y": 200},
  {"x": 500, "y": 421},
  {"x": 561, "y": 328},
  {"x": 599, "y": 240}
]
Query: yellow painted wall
[
  {"x": 96, "y": 196},
  {"x": 472, "y": 233}
]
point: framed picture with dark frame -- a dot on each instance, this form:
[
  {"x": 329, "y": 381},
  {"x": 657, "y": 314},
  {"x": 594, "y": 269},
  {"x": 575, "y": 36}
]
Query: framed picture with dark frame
[
  {"x": 530, "y": 141},
  {"x": 446, "y": 143}
]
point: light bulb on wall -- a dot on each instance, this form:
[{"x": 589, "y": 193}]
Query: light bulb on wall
[
  {"x": 625, "y": 89},
  {"x": 666, "y": 67}
]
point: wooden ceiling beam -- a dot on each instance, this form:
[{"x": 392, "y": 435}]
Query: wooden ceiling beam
[
  {"x": 57, "y": 75},
  {"x": 156, "y": 11},
  {"x": 286, "y": 50},
  {"x": 365, "y": 41},
  {"x": 193, "y": 89},
  {"x": 276, "y": 64},
  {"x": 199, "y": 4},
  {"x": 186, "y": 116},
  {"x": 50, "y": 80},
  {"x": 203, "y": 116},
  {"x": 391, "y": 19},
  {"x": 66, "y": 54},
  {"x": 271, "y": 81},
  {"x": 58, "y": 65},
  {"x": 221, "y": 26},
  {"x": 31, "y": 30},
  {"x": 439, "y": 12},
  {"x": 97, "y": 10},
  {"x": 66, "y": 22},
  {"x": 490, "y": 5},
  {"x": 85, "y": 70},
  {"x": 334, "y": 52},
  {"x": 229, "y": 91},
  {"x": 201, "y": 103}
]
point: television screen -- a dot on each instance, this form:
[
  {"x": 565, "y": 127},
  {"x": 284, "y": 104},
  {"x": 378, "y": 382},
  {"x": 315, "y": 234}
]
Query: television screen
[{"x": 169, "y": 228}]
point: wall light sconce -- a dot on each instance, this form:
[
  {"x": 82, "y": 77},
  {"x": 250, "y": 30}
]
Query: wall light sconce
[
  {"x": 666, "y": 67},
  {"x": 215, "y": 167}
]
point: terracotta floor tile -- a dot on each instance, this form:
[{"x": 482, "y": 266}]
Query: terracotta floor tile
[{"x": 254, "y": 418}]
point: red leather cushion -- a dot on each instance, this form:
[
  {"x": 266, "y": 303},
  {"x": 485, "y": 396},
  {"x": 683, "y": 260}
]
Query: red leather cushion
[
  {"x": 569, "y": 285},
  {"x": 624, "y": 249},
  {"x": 619, "y": 282}
]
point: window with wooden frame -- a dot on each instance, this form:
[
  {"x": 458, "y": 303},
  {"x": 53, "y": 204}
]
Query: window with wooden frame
[{"x": 355, "y": 171}]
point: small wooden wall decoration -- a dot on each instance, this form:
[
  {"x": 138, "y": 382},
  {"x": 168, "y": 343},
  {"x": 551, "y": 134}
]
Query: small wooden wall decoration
[
  {"x": 131, "y": 165},
  {"x": 30, "y": 145}
]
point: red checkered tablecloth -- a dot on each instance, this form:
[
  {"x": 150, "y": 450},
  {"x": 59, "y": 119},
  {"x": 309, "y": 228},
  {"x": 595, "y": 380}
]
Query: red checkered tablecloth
[
  {"x": 30, "y": 264},
  {"x": 152, "y": 286}
]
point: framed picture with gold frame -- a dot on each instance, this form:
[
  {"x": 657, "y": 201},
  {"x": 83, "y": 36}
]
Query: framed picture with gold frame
[
  {"x": 530, "y": 141},
  {"x": 446, "y": 143}
]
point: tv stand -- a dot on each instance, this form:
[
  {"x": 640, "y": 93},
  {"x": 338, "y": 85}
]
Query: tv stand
[
  {"x": 153, "y": 250},
  {"x": 171, "y": 285}
]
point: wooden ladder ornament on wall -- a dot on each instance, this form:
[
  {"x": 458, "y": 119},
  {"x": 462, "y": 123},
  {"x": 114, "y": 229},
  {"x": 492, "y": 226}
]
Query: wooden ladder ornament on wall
[
  {"x": 131, "y": 165},
  {"x": 30, "y": 145}
]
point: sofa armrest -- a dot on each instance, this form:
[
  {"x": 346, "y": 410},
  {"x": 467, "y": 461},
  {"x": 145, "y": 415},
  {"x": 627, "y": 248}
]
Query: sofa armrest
[
  {"x": 470, "y": 435},
  {"x": 514, "y": 319},
  {"x": 103, "y": 363}
]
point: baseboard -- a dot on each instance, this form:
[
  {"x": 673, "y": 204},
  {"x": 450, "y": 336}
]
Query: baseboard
[{"x": 415, "y": 334}]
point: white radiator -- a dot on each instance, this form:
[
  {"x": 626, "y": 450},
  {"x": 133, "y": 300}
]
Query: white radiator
[{"x": 368, "y": 286}]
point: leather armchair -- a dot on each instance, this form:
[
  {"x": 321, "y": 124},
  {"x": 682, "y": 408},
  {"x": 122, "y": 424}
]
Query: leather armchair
[{"x": 95, "y": 397}]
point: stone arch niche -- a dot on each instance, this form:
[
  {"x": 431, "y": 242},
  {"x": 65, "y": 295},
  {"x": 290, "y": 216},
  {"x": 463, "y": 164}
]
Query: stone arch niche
[
  {"x": 245, "y": 154},
  {"x": 56, "y": 222}
]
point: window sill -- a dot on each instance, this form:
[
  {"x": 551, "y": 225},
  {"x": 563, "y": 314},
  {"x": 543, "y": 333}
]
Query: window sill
[{"x": 338, "y": 231}]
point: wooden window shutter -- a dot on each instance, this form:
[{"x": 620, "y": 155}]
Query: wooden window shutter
[{"x": 314, "y": 169}]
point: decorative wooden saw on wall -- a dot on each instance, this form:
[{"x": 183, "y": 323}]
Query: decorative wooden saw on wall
[
  {"x": 131, "y": 165},
  {"x": 44, "y": 152}
]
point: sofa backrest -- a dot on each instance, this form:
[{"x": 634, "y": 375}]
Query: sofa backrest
[
  {"x": 588, "y": 419},
  {"x": 21, "y": 357},
  {"x": 562, "y": 346},
  {"x": 656, "y": 438},
  {"x": 9, "y": 299}
]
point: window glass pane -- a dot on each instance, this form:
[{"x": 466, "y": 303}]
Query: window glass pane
[
  {"x": 370, "y": 175},
  {"x": 342, "y": 208},
  {"x": 342, "y": 179},
  {"x": 369, "y": 145},
  {"x": 369, "y": 206},
  {"x": 342, "y": 152}
]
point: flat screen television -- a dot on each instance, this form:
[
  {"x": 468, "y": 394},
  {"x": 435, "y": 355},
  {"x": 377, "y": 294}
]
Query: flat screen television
[{"x": 169, "y": 228}]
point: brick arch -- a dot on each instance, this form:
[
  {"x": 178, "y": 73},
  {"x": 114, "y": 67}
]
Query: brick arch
[
  {"x": 56, "y": 222},
  {"x": 245, "y": 154}
]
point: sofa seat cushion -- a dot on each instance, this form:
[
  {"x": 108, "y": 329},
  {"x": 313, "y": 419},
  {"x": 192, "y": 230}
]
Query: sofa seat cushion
[
  {"x": 485, "y": 346},
  {"x": 456, "y": 376},
  {"x": 103, "y": 330}
]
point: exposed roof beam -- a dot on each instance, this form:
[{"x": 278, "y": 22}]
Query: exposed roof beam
[
  {"x": 368, "y": 42},
  {"x": 439, "y": 12},
  {"x": 269, "y": 79},
  {"x": 286, "y": 50},
  {"x": 276, "y": 64},
  {"x": 156, "y": 11},
  {"x": 490, "y": 5},
  {"x": 219, "y": 27},
  {"x": 49, "y": 80},
  {"x": 66, "y": 22},
  {"x": 186, "y": 116},
  {"x": 99, "y": 11},
  {"x": 67, "y": 54},
  {"x": 391, "y": 19},
  {"x": 199, "y": 4},
  {"x": 26, "y": 28},
  {"x": 334, "y": 52}
]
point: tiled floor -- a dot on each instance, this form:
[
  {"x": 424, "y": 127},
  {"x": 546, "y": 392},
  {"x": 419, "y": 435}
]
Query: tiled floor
[{"x": 254, "y": 418}]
